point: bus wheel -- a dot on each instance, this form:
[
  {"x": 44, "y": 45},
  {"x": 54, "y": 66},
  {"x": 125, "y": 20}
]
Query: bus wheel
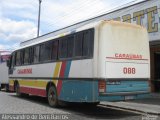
[
  {"x": 17, "y": 89},
  {"x": 52, "y": 96}
]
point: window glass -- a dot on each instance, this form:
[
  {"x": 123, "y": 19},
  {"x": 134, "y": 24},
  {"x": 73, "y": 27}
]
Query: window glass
[
  {"x": 42, "y": 52},
  {"x": 63, "y": 48},
  {"x": 13, "y": 60},
  {"x": 78, "y": 44},
  {"x": 70, "y": 46},
  {"x": 87, "y": 43},
  {"x": 31, "y": 55},
  {"x": 47, "y": 51},
  {"x": 36, "y": 54},
  {"x": 91, "y": 43},
  {"x": 26, "y": 56},
  {"x": 86, "y": 38},
  {"x": 18, "y": 62},
  {"x": 54, "y": 50},
  {"x": 22, "y": 56}
]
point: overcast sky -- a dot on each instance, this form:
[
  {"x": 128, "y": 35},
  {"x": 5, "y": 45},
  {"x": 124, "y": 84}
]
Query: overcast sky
[{"x": 18, "y": 18}]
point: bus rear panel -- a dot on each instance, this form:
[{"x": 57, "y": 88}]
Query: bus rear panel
[{"x": 123, "y": 62}]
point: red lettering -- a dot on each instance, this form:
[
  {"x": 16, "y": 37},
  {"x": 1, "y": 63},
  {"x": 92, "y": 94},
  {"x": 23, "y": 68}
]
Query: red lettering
[
  {"x": 116, "y": 55},
  {"x": 128, "y": 56},
  {"x": 128, "y": 70},
  {"x": 25, "y": 71}
]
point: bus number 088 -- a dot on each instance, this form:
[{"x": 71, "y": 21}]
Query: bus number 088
[{"x": 128, "y": 70}]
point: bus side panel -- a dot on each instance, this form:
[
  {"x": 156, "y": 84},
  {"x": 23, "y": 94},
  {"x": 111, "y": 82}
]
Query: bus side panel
[
  {"x": 34, "y": 87},
  {"x": 30, "y": 86},
  {"x": 79, "y": 91},
  {"x": 82, "y": 90}
]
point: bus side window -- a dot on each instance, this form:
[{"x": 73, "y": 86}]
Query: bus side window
[
  {"x": 54, "y": 50},
  {"x": 36, "y": 54},
  {"x": 13, "y": 60},
  {"x": 22, "y": 56},
  {"x": 26, "y": 56},
  {"x": 88, "y": 43},
  {"x": 62, "y": 48},
  {"x": 47, "y": 51},
  {"x": 42, "y": 52},
  {"x": 31, "y": 53},
  {"x": 70, "y": 46},
  {"x": 78, "y": 45},
  {"x": 18, "y": 59}
]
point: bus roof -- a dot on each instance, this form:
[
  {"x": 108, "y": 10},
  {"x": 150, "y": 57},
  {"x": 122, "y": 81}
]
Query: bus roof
[
  {"x": 84, "y": 27},
  {"x": 52, "y": 36}
]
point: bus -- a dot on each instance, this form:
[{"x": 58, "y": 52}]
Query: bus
[
  {"x": 99, "y": 61},
  {"x": 4, "y": 81}
]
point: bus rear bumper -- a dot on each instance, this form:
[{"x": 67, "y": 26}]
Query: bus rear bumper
[{"x": 123, "y": 96}]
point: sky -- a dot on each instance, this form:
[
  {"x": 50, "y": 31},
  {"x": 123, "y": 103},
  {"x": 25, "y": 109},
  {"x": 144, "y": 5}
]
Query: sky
[{"x": 18, "y": 18}]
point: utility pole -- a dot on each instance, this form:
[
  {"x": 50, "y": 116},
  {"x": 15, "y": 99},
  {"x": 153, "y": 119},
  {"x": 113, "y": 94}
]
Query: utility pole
[{"x": 39, "y": 13}]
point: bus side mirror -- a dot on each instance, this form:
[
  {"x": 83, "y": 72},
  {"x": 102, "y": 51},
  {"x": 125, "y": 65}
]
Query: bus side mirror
[{"x": 8, "y": 63}]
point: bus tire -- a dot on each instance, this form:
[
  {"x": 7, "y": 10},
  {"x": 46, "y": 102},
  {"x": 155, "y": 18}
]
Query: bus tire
[
  {"x": 17, "y": 89},
  {"x": 52, "y": 97}
]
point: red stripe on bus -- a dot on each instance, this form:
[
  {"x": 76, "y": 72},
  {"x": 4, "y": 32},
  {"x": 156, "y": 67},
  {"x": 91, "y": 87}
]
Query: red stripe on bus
[
  {"x": 62, "y": 71},
  {"x": 125, "y": 58},
  {"x": 33, "y": 91}
]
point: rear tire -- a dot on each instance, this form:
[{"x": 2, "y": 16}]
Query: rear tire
[{"x": 52, "y": 97}]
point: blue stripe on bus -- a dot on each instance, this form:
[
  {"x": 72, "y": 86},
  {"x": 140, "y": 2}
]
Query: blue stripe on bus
[
  {"x": 67, "y": 69},
  {"x": 128, "y": 86},
  {"x": 79, "y": 91},
  {"x": 66, "y": 74}
]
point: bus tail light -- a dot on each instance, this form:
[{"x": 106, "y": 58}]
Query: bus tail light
[{"x": 102, "y": 86}]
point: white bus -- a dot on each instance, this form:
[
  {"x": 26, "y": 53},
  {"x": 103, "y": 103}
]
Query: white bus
[
  {"x": 4, "y": 81},
  {"x": 100, "y": 61}
]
